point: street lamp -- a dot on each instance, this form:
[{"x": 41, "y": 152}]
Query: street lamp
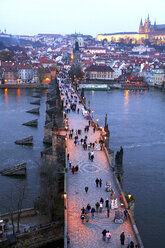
[
  {"x": 129, "y": 195},
  {"x": 92, "y": 113},
  {"x": 97, "y": 121}
]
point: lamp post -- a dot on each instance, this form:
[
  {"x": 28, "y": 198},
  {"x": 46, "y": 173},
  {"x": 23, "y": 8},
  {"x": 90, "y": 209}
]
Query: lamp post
[
  {"x": 97, "y": 121},
  {"x": 129, "y": 196},
  {"x": 92, "y": 113}
]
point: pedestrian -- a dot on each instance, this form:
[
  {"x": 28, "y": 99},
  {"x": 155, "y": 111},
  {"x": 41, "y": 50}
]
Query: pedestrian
[
  {"x": 92, "y": 157},
  {"x": 97, "y": 206},
  {"x": 126, "y": 214},
  {"x": 93, "y": 145},
  {"x": 101, "y": 200},
  {"x": 82, "y": 218},
  {"x": 108, "y": 236},
  {"x": 104, "y": 234},
  {"x": 89, "y": 155},
  {"x": 129, "y": 239},
  {"x": 75, "y": 142},
  {"x": 76, "y": 168},
  {"x": 100, "y": 182},
  {"x": 107, "y": 203},
  {"x": 108, "y": 212},
  {"x": 73, "y": 170},
  {"x": 70, "y": 165},
  {"x": 68, "y": 156},
  {"x": 89, "y": 122},
  {"x": 101, "y": 207},
  {"x": 131, "y": 244},
  {"x": 86, "y": 189},
  {"x": 93, "y": 212},
  {"x": 78, "y": 110},
  {"x": 83, "y": 210},
  {"x": 88, "y": 207},
  {"x": 122, "y": 238},
  {"x": 97, "y": 182}
]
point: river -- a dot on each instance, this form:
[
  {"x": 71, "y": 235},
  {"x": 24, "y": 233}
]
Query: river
[
  {"x": 136, "y": 121},
  {"x": 13, "y": 106}
]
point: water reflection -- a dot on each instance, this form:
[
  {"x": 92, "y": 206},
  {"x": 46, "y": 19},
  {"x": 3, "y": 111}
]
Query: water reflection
[
  {"x": 6, "y": 96},
  {"x": 18, "y": 92},
  {"x": 18, "y": 95},
  {"x": 126, "y": 97}
]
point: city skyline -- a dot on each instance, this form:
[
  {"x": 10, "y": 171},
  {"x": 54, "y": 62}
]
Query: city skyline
[{"x": 87, "y": 17}]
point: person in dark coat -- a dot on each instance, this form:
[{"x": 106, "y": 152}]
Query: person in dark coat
[
  {"x": 126, "y": 214},
  {"x": 93, "y": 212},
  {"x": 76, "y": 168},
  {"x": 107, "y": 203},
  {"x": 86, "y": 189},
  {"x": 101, "y": 200},
  {"x": 108, "y": 212},
  {"x": 97, "y": 182},
  {"x": 83, "y": 210},
  {"x": 104, "y": 234},
  {"x": 88, "y": 207},
  {"x": 122, "y": 238},
  {"x": 97, "y": 206},
  {"x": 131, "y": 244},
  {"x": 100, "y": 182}
]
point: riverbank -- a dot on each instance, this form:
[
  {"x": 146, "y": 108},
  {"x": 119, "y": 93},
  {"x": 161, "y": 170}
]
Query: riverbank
[{"x": 23, "y": 86}]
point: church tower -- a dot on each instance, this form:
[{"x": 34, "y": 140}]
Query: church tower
[
  {"x": 141, "y": 27},
  {"x": 147, "y": 25}
]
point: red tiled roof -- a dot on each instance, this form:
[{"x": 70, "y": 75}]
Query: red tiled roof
[{"x": 100, "y": 68}]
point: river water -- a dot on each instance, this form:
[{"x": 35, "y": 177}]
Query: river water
[
  {"x": 136, "y": 121},
  {"x": 13, "y": 106}
]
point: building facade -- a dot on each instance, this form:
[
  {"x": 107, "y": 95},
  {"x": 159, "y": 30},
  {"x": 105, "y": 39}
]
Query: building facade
[
  {"x": 147, "y": 32},
  {"x": 99, "y": 72}
]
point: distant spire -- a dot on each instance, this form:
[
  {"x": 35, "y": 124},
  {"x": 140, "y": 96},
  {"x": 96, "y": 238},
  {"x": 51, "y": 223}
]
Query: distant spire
[
  {"x": 148, "y": 18},
  {"x": 141, "y": 22},
  {"x": 155, "y": 22}
]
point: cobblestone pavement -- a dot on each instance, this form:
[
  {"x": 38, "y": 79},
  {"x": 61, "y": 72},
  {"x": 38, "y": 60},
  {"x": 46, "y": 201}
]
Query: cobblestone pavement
[{"x": 89, "y": 235}]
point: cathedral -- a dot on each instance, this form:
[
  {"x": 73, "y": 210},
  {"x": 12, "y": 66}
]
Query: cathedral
[
  {"x": 155, "y": 34},
  {"x": 147, "y": 28}
]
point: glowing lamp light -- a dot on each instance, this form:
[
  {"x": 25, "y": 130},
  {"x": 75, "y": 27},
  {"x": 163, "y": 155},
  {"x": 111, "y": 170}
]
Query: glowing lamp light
[
  {"x": 65, "y": 195},
  {"x": 129, "y": 195},
  {"x": 66, "y": 138},
  {"x": 105, "y": 138}
]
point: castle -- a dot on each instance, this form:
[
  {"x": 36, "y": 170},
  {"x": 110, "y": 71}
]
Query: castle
[
  {"x": 147, "y": 28},
  {"x": 155, "y": 34}
]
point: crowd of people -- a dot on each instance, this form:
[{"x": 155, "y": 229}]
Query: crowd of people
[{"x": 89, "y": 211}]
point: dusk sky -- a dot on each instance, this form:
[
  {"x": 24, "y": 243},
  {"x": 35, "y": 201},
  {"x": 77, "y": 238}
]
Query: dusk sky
[{"x": 86, "y": 16}]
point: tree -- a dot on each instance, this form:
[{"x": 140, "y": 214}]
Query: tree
[
  {"x": 41, "y": 73},
  {"x": 19, "y": 206},
  {"x": 6, "y": 55},
  {"x": 76, "y": 72}
]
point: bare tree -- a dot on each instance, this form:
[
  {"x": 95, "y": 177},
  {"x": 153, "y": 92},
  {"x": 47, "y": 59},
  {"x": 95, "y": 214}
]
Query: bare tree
[
  {"x": 11, "y": 211},
  {"x": 19, "y": 206}
]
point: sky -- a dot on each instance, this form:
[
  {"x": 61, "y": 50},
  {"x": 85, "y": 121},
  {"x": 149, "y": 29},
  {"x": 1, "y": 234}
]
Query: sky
[{"x": 30, "y": 17}]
